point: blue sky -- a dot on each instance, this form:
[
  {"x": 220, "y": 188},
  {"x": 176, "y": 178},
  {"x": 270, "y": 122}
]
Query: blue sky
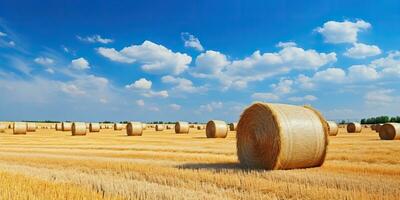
[{"x": 195, "y": 61}]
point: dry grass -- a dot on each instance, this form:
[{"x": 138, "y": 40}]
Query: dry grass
[{"x": 164, "y": 165}]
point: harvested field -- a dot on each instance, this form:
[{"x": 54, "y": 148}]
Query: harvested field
[{"x": 165, "y": 165}]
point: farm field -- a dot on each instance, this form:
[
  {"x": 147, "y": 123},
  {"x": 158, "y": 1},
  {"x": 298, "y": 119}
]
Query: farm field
[{"x": 49, "y": 164}]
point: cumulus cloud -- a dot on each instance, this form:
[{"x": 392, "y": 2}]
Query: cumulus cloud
[
  {"x": 258, "y": 66},
  {"x": 379, "y": 97},
  {"x": 360, "y": 50},
  {"x": 362, "y": 73},
  {"x": 210, "y": 107},
  {"x": 265, "y": 96},
  {"x": 95, "y": 39},
  {"x": 283, "y": 87},
  {"x": 140, "y": 102},
  {"x": 342, "y": 32},
  {"x": 142, "y": 84},
  {"x": 335, "y": 75},
  {"x": 286, "y": 44},
  {"x": 44, "y": 61},
  {"x": 152, "y": 57},
  {"x": 191, "y": 41},
  {"x": 80, "y": 64},
  {"x": 162, "y": 94},
  {"x": 72, "y": 89},
  {"x": 182, "y": 84},
  {"x": 175, "y": 106},
  {"x": 306, "y": 98},
  {"x": 389, "y": 65}
]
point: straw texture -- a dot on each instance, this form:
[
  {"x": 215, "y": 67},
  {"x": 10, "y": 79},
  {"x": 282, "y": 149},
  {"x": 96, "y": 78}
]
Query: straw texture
[
  {"x": 160, "y": 127},
  {"x": 354, "y": 127},
  {"x": 216, "y": 129},
  {"x": 182, "y": 127},
  {"x": 58, "y": 127},
  {"x": 390, "y": 131},
  {"x": 378, "y": 127},
  {"x": 19, "y": 128},
  {"x": 134, "y": 129},
  {"x": 78, "y": 128},
  {"x": 94, "y": 127},
  {"x": 233, "y": 126},
  {"x": 333, "y": 128},
  {"x": 30, "y": 127},
  {"x": 279, "y": 136},
  {"x": 66, "y": 126},
  {"x": 118, "y": 127}
]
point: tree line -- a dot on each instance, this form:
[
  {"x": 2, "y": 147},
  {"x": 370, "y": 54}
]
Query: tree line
[{"x": 380, "y": 120}]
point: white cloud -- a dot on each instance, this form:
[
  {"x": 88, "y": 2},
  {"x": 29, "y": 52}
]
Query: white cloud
[
  {"x": 306, "y": 98},
  {"x": 80, "y": 64},
  {"x": 191, "y": 41},
  {"x": 335, "y": 75},
  {"x": 305, "y": 82},
  {"x": 390, "y": 65},
  {"x": 265, "y": 96},
  {"x": 210, "y": 107},
  {"x": 142, "y": 84},
  {"x": 283, "y": 87},
  {"x": 2, "y": 34},
  {"x": 381, "y": 97},
  {"x": 11, "y": 43},
  {"x": 286, "y": 44},
  {"x": 44, "y": 60},
  {"x": 257, "y": 67},
  {"x": 342, "y": 32},
  {"x": 152, "y": 57},
  {"x": 162, "y": 94},
  {"x": 140, "y": 102},
  {"x": 360, "y": 50},
  {"x": 50, "y": 70},
  {"x": 72, "y": 89},
  {"x": 95, "y": 39},
  {"x": 182, "y": 84},
  {"x": 175, "y": 106},
  {"x": 362, "y": 73}
]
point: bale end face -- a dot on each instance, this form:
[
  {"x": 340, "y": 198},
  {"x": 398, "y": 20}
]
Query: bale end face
[
  {"x": 354, "y": 127},
  {"x": 390, "y": 131}
]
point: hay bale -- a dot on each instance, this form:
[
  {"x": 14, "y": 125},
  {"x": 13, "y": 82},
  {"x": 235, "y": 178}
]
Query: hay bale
[
  {"x": 333, "y": 128},
  {"x": 94, "y": 127},
  {"x": 280, "y": 136},
  {"x": 182, "y": 128},
  {"x": 19, "y": 128},
  {"x": 58, "y": 127},
  {"x": 216, "y": 129},
  {"x": 144, "y": 126},
  {"x": 200, "y": 127},
  {"x": 134, "y": 129},
  {"x": 373, "y": 127},
  {"x": 2, "y": 128},
  {"x": 66, "y": 126},
  {"x": 390, "y": 131},
  {"x": 118, "y": 127},
  {"x": 354, "y": 127},
  {"x": 168, "y": 126},
  {"x": 160, "y": 127},
  {"x": 378, "y": 127},
  {"x": 233, "y": 126},
  {"x": 10, "y": 126},
  {"x": 30, "y": 127},
  {"x": 78, "y": 128}
]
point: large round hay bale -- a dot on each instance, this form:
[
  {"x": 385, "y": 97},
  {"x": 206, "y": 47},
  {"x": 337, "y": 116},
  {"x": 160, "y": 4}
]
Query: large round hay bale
[
  {"x": 233, "y": 126},
  {"x": 354, "y": 127},
  {"x": 66, "y": 126},
  {"x": 118, "y": 127},
  {"x": 134, "y": 129},
  {"x": 333, "y": 128},
  {"x": 78, "y": 128},
  {"x": 216, "y": 129},
  {"x": 30, "y": 127},
  {"x": 3, "y": 128},
  {"x": 182, "y": 127},
  {"x": 279, "y": 136},
  {"x": 160, "y": 127},
  {"x": 58, "y": 127},
  {"x": 94, "y": 127},
  {"x": 19, "y": 128},
  {"x": 390, "y": 131}
]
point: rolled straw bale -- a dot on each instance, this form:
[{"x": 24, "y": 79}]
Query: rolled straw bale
[
  {"x": 78, "y": 128},
  {"x": 181, "y": 127},
  {"x": 58, "y": 127},
  {"x": 333, "y": 128},
  {"x": 144, "y": 126},
  {"x": 354, "y": 127},
  {"x": 159, "y": 127},
  {"x": 232, "y": 126},
  {"x": 87, "y": 125},
  {"x": 378, "y": 127},
  {"x": 216, "y": 129},
  {"x": 134, "y": 129},
  {"x": 94, "y": 127},
  {"x": 168, "y": 126},
  {"x": 280, "y": 136},
  {"x": 390, "y": 131},
  {"x": 373, "y": 127},
  {"x": 66, "y": 126},
  {"x": 2, "y": 128},
  {"x": 118, "y": 127},
  {"x": 30, "y": 127},
  {"x": 200, "y": 127},
  {"x": 19, "y": 128}
]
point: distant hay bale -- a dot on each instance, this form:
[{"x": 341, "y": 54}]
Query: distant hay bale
[
  {"x": 2, "y": 128},
  {"x": 390, "y": 131},
  {"x": 333, "y": 128},
  {"x": 58, "y": 127},
  {"x": 280, "y": 136},
  {"x": 216, "y": 129},
  {"x": 160, "y": 127},
  {"x": 30, "y": 127},
  {"x": 182, "y": 127},
  {"x": 78, "y": 128},
  {"x": 378, "y": 127},
  {"x": 233, "y": 126},
  {"x": 134, "y": 129},
  {"x": 144, "y": 126},
  {"x": 354, "y": 127},
  {"x": 191, "y": 126},
  {"x": 118, "y": 127},
  {"x": 200, "y": 127},
  {"x": 66, "y": 126},
  {"x": 373, "y": 127},
  {"x": 168, "y": 126},
  {"x": 19, "y": 128},
  {"x": 87, "y": 125},
  {"x": 94, "y": 127}
]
